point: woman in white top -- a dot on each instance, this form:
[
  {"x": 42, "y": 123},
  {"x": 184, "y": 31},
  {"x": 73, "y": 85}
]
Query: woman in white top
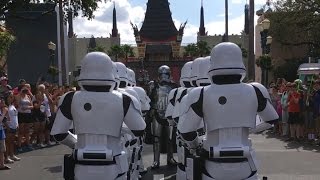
[{"x": 13, "y": 126}]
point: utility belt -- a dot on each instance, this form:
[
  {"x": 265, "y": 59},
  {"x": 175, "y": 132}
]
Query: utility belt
[
  {"x": 93, "y": 158},
  {"x": 225, "y": 155}
]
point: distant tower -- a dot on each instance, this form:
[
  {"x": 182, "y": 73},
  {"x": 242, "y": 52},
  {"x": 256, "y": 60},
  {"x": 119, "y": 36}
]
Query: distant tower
[
  {"x": 202, "y": 29},
  {"x": 114, "y": 36},
  {"x": 114, "y": 23}
]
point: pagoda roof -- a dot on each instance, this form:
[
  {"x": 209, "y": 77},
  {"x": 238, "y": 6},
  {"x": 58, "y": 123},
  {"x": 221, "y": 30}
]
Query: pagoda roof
[{"x": 158, "y": 24}]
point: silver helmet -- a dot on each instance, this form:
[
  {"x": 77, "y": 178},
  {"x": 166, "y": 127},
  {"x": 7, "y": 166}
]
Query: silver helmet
[{"x": 164, "y": 73}]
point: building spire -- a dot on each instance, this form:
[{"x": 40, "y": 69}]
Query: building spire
[
  {"x": 202, "y": 29},
  {"x": 114, "y": 28}
]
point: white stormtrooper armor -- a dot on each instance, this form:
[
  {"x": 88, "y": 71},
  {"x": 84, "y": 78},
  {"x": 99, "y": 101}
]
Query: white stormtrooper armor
[
  {"x": 159, "y": 100},
  {"x": 172, "y": 114},
  {"x": 131, "y": 77},
  {"x": 199, "y": 73},
  {"x": 228, "y": 108},
  {"x": 145, "y": 107},
  {"x": 97, "y": 152},
  {"x": 132, "y": 145}
]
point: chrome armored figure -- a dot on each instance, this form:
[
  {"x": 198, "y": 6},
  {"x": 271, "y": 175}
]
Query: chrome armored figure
[
  {"x": 160, "y": 127},
  {"x": 229, "y": 108},
  {"x": 97, "y": 151}
]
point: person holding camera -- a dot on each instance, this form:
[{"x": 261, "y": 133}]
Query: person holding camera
[{"x": 24, "y": 103}]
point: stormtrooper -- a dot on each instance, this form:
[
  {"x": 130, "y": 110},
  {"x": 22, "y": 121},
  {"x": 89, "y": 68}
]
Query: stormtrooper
[
  {"x": 200, "y": 78},
  {"x": 145, "y": 107},
  {"x": 228, "y": 108},
  {"x": 96, "y": 149},
  {"x": 160, "y": 126},
  {"x": 131, "y": 77},
  {"x": 131, "y": 144},
  {"x": 174, "y": 99}
]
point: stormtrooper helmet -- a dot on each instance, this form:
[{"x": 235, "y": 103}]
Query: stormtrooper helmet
[
  {"x": 131, "y": 77},
  {"x": 123, "y": 74},
  {"x": 185, "y": 75},
  {"x": 203, "y": 68},
  {"x": 116, "y": 75},
  {"x": 226, "y": 66},
  {"x": 96, "y": 71},
  {"x": 195, "y": 71},
  {"x": 164, "y": 73}
]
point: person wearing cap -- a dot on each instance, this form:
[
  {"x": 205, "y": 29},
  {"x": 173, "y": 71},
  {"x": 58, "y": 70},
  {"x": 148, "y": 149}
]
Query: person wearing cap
[{"x": 5, "y": 88}]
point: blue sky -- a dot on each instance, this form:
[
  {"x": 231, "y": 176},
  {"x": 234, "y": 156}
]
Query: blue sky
[{"x": 133, "y": 10}]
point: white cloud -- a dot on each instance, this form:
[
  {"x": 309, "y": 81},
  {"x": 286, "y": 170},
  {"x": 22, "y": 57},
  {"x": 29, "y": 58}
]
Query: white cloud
[{"x": 102, "y": 25}]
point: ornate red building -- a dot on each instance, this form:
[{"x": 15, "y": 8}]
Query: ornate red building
[{"x": 158, "y": 41}]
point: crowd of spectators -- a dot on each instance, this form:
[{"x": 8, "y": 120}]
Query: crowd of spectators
[
  {"x": 26, "y": 117},
  {"x": 297, "y": 104}
]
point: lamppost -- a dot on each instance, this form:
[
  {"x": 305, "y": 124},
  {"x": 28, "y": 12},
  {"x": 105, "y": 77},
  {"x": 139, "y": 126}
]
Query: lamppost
[
  {"x": 52, "y": 49},
  {"x": 266, "y": 41}
]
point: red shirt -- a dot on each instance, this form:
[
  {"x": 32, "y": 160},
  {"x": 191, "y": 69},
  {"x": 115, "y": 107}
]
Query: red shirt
[{"x": 293, "y": 102}]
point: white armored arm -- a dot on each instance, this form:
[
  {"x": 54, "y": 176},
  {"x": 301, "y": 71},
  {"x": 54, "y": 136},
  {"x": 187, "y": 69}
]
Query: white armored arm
[
  {"x": 265, "y": 109},
  {"x": 132, "y": 115},
  {"x": 63, "y": 121},
  {"x": 171, "y": 103},
  {"x": 191, "y": 116}
]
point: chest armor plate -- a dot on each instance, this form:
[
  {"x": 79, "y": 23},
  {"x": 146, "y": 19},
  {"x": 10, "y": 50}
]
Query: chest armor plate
[
  {"x": 162, "y": 100},
  {"x": 230, "y": 106},
  {"x": 97, "y": 113}
]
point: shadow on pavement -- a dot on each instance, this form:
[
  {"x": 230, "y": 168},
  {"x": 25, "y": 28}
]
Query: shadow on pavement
[
  {"x": 54, "y": 169},
  {"x": 169, "y": 173},
  {"x": 304, "y": 144}
]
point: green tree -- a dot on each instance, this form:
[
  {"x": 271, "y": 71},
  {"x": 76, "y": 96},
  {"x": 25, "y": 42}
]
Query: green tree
[
  {"x": 126, "y": 49},
  {"x": 115, "y": 51},
  {"x": 265, "y": 63},
  {"x": 296, "y": 23},
  {"x": 288, "y": 70},
  {"x": 203, "y": 48},
  {"x": 191, "y": 50},
  {"x": 6, "y": 39},
  {"x": 87, "y": 7},
  {"x": 98, "y": 48}
]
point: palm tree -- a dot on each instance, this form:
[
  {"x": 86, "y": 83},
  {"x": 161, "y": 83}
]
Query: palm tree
[
  {"x": 191, "y": 50},
  {"x": 126, "y": 49},
  {"x": 203, "y": 48},
  {"x": 115, "y": 51}
]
